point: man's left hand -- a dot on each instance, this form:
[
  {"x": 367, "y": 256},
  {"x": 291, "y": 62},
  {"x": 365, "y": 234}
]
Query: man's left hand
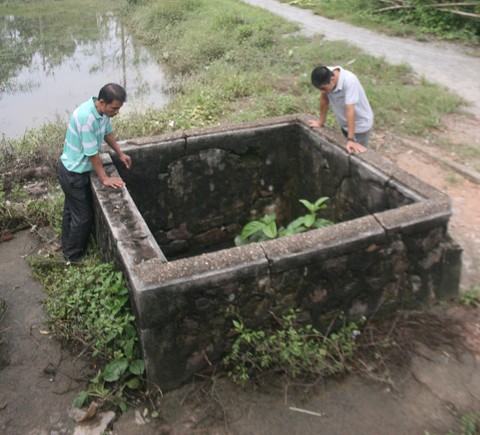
[
  {"x": 355, "y": 147},
  {"x": 127, "y": 161}
]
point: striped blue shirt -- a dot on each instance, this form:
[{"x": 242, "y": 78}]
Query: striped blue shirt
[{"x": 85, "y": 133}]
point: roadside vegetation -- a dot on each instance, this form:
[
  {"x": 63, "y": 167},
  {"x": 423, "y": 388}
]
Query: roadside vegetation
[
  {"x": 227, "y": 63},
  {"x": 420, "y": 19}
]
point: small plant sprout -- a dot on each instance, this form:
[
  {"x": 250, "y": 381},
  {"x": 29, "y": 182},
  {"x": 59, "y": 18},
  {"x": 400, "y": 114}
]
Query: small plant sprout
[{"x": 258, "y": 230}]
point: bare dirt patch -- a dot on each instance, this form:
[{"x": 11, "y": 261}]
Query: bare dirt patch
[{"x": 432, "y": 165}]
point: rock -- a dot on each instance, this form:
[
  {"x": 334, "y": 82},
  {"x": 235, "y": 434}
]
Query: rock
[{"x": 98, "y": 426}]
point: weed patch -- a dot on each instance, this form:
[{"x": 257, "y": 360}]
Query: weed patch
[
  {"x": 19, "y": 211},
  {"x": 447, "y": 20},
  {"x": 471, "y": 298},
  {"x": 89, "y": 308},
  {"x": 376, "y": 349},
  {"x": 294, "y": 350}
]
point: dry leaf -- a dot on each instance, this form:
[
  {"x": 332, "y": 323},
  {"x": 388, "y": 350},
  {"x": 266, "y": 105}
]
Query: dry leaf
[{"x": 80, "y": 415}]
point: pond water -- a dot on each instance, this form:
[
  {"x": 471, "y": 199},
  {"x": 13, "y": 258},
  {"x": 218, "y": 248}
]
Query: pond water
[{"x": 49, "y": 67}]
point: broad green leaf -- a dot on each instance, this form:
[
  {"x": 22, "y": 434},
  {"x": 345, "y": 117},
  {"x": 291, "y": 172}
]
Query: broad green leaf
[
  {"x": 268, "y": 218},
  {"x": 128, "y": 348},
  {"x": 130, "y": 329},
  {"x": 320, "y": 223},
  {"x": 115, "y": 370},
  {"x": 309, "y": 220},
  {"x": 270, "y": 230},
  {"x": 321, "y": 202},
  {"x": 134, "y": 383},
  {"x": 308, "y": 205},
  {"x": 296, "y": 223},
  {"x": 137, "y": 367},
  {"x": 80, "y": 399},
  {"x": 251, "y": 228}
]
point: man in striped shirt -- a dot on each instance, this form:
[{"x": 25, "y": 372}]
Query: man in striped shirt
[{"x": 88, "y": 127}]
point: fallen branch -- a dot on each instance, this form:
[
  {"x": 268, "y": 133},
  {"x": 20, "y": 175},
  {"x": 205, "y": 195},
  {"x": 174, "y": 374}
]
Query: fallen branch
[
  {"x": 305, "y": 411},
  {"x": 465, "y": 14},
  {"x": 439, "y": 6}
]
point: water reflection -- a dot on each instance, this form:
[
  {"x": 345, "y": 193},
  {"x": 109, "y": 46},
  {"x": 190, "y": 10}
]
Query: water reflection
[{"x": 48, "y": 68}]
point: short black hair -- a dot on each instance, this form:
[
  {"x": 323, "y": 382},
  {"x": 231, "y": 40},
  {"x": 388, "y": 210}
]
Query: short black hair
[
  {"x": 321, "y": 75},
  {"x": 112, "y": 91}
]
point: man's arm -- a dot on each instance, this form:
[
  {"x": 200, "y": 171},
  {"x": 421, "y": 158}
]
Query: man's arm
[
  {"x": 112, "y": 143},
  {"x": 100, "y": 170},
  {"x": 324, "y": 104},
  {"x": 104, "y": 178},
  {"x": 352, "y": 145}
]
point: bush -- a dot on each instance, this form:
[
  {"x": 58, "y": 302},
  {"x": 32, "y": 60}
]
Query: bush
[{"x": 294, "y": 350}]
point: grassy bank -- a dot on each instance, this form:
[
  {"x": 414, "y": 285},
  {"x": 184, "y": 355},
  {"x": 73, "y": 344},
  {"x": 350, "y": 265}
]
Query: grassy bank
[{"x": 230, "y": 62}]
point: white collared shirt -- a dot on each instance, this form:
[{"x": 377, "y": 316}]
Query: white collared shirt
[{"x": 350, "y": 91}]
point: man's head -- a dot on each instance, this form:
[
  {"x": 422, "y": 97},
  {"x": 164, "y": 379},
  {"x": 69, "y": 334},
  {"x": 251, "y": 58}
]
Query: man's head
[
  {"x": 110, "y": 99},
  {"x": 322, "y": 78}
]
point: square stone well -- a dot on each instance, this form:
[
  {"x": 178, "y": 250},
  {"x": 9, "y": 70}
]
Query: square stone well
[{"x": 189, "y": 194}]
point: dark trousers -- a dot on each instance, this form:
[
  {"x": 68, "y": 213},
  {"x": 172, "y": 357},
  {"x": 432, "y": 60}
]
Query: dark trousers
[{"x": 77, "y": 213}]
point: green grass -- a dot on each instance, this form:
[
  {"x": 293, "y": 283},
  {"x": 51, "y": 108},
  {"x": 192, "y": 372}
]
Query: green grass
[
  {"x": 232, "y": 63},
  {"x": 229, "y": 62},
  {"x": 464, "y": 153},
  {"x": 421, "y": 22}
]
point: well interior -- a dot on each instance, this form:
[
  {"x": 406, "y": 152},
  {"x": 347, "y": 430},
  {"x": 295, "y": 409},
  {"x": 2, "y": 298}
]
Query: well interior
[{"x": 191, "y": 192}]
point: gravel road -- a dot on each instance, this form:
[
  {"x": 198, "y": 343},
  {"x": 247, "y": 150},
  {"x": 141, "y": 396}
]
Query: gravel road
[{"x": 441, "y": 63}]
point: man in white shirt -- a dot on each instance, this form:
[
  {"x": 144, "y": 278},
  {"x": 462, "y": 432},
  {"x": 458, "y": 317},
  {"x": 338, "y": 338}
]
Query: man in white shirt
[{"x": 342, "y": 90}]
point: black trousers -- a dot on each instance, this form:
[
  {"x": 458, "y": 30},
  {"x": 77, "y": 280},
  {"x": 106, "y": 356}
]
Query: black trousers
[{"x": 77, "y": 213}]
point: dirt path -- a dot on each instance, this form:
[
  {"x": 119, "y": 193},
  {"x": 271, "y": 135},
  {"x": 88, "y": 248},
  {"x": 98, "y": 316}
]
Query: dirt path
[
  {"x": 464, "y": 226},
  {"x": 439, "y": 62},
  {"x": 38, "y": 375}
]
